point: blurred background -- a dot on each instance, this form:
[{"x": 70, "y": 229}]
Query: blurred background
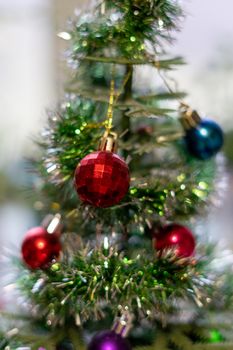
[{"x": 32, "y": 72}]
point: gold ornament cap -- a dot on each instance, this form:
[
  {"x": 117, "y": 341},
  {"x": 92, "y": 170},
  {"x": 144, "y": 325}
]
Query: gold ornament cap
[
  {"x": 189, "y": 117},
  {"x": 124, "y": 323},
  {"x": 108, "y": 142},
  {"x": 53, "y": 223}
]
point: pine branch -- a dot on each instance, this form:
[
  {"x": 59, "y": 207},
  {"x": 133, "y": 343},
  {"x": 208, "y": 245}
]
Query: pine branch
[
  {"x": 162, "y": 96},
  {"x": 133, "y": 107},
  {"x": 13, "y": 316},
  {"x": 165, "y": 64},
  {"x": 177, "y": 338},
  {"x": 76, "y": 339},
  {"x": 221, "y": 346},
  {"x": 147, "y": 111}
]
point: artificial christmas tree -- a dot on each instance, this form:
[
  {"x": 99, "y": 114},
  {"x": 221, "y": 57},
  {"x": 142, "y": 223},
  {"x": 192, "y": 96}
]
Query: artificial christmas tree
[{"x": 131, "y": 264}]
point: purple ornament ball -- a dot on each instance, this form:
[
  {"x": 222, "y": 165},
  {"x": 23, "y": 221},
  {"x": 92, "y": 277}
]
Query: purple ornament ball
[{"x": 109, "y": 340}]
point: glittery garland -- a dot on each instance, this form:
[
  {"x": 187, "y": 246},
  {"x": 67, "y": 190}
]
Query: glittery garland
[{"x": 96, "y": 282}]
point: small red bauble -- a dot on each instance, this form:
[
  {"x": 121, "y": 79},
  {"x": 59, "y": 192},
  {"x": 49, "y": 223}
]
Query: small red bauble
[
  {"x": 177, "y": 236},
  {"x": 39, "y": 248},
  {"x": 102, "y": 179}
]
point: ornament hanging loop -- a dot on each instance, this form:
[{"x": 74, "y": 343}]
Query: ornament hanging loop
[
  {"x": 108, "y": 142},
  {"x": 189, "y": 117},
  {"x": 52, "y": 223},
  {"x": 113, "y": 98},
  {"x": 109, "y": 120}
]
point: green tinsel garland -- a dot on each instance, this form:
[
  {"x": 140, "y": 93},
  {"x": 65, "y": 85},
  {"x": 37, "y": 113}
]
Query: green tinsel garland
[{"x": 91, "y": 281}]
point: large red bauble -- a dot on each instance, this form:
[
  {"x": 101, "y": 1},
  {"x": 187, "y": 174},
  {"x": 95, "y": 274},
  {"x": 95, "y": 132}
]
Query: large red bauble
[
  {"x": 39, "y": 248},
  {"x": 102, "y": 179},
  {"x": 177, "y": 236}
]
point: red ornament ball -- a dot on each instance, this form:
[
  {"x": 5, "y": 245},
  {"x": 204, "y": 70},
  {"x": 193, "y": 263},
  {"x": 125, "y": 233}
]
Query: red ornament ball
[
  {"x": 39, "y": 248},
  {"x": 102, "y": 179},
  {"x": 177, "y": 236}
]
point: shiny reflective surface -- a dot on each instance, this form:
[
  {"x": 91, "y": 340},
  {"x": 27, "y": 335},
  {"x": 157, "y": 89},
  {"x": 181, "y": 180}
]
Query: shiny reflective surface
[
  {"x": 205, "y": 140},
  {"x": 39, "y": 248},
  {"x": 109, "y": 340},
  {"x": 178, "y": 237},
  {"x": 102, "y": 179}
]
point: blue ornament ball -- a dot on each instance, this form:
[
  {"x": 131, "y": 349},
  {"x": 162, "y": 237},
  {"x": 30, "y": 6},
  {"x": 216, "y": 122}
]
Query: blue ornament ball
[{"x": 204, "y": 140}]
